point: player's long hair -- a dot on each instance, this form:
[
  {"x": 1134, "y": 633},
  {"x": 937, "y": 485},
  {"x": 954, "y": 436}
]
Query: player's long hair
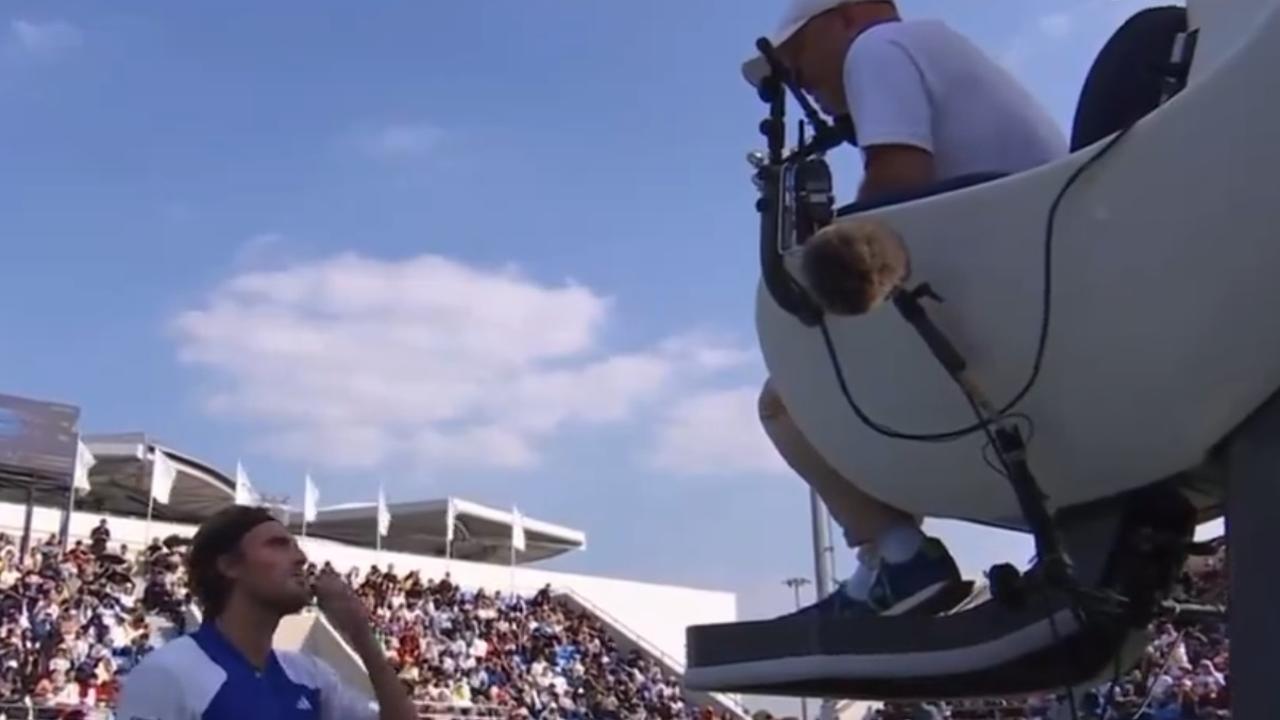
[{"x": 218, "y": 536}]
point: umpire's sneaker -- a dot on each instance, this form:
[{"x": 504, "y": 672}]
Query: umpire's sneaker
[{"x": 927, "y": 584}]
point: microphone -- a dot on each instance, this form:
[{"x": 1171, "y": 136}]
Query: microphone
[{"x": 852, "y": 267}]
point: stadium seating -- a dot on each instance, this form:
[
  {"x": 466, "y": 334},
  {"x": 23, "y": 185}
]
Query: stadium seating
[
  {"x": 72, "y": 624},
  {"x": 1184, "y": 674}
]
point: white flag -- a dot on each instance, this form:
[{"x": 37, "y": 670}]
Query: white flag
[
  {"x": 384, "y": 515},
  {"x": 517, "y": 530},
  {"x": 310, "y": 500},
  {"x": 245, "y": 494},
  {"x": 163, "y": 473},
  {"x": 450, "y": 516},
  {"x": 84, "y": 461}
]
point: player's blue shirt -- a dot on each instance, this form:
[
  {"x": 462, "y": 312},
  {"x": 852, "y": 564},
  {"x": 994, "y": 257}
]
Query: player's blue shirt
[{"x": 203, "y": 677}]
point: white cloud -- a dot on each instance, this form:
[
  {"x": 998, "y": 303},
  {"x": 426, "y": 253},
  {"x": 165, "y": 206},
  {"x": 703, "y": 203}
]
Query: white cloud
[
  {"x": 708, "y": 351},
  {"x": 262, "y": 249},
  {"x": 44, "y": 39},
  {"x": 1057, "y": 25},
  {"x": 716, "y": 433},
  {"x": 1084, "y": 23},
  {"x": 353, "y": 363},
  {"x": 401, "y": 141}
]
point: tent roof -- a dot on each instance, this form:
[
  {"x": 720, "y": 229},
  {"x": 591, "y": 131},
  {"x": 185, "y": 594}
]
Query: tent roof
[
  {"x": 120, "y": 483},
  {"x": 481, "y": 533},
  {"x": 120, "y": 480}
]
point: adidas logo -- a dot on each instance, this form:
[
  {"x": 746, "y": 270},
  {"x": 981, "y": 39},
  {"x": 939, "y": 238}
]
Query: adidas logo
[{"x": 303, "y": 704}]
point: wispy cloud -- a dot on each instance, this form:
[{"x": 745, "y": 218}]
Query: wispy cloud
[
  {"x": 400, "y": 141},
  {"x": 715, "y": 433},
  {"x": 1057, "y": 25},
  {"x": 1047, "y": 33},
  {"x": 264, "y": 249},
  {"x": 43, "y": 38},
  {"x": 352, "y": 362}
]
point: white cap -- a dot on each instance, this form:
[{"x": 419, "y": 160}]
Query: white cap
[{"x": 798, "y": 13}]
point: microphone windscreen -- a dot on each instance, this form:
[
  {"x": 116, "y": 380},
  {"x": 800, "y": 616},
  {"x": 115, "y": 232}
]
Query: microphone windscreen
[{"x": 851, "y": 267}]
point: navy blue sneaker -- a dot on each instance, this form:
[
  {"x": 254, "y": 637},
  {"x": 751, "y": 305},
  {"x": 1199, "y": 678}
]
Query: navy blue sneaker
[
  {"x": 914, "y": 585},
  {"x": 928, "y": 583}
]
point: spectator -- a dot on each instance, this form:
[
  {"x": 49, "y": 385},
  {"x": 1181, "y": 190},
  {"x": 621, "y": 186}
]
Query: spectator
[
  {"x": 99, "y": 537},
  {"x": 61, "y": 626},
  {"x": 1183, "y": 676}
]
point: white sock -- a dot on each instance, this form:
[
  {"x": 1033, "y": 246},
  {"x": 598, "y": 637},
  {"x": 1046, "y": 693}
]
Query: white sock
[
  {"x": 858, "y": 586},
  {"x": 900, "y": 542}
]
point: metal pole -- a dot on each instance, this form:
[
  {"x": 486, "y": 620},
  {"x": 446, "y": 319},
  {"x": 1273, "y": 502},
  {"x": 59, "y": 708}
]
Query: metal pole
[
  {"x": 821, "y": 546},
  {"x": 66, "y": 521},
  {"x": 26, "y": 523},
  {"x": 795, "y": 584},
  {"x": 823, "y": 570},
  {"x": 151, "y": 504}
]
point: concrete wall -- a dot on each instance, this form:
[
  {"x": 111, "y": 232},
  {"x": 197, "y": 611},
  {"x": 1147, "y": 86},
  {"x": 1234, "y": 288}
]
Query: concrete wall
[{"x": 657, "y": 613}]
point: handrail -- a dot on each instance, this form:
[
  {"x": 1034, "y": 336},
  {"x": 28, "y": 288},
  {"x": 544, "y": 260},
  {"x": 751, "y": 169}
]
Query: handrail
[
  {"x": 30, "y": 709},
  {"x": 676, "y": 665},
  {"x": 433, "y": 710},
  {"x": 428, "y": 710},
  {"x": 647, "y": 645}
]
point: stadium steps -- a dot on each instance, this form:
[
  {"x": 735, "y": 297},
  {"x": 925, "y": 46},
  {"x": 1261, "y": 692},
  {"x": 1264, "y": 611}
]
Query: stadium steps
[
  {"x": 628, "y": 640},
  {"x": 310, "y": 632}
]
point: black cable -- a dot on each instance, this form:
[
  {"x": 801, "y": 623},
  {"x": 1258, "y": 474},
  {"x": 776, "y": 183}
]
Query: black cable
[
  {"x": 1047, "y": 286},
  {"x": 876, "y": 426},
  {"x": 1041, "y": 342},
  {"x": 994, "y": 468},
  {"x": 1008, "y": 471},
  {"x": 988, "y": 447}
]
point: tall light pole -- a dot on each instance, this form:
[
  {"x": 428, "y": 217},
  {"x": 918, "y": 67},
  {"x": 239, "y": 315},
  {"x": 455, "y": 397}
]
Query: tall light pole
[{"x": 795, "y": 584}]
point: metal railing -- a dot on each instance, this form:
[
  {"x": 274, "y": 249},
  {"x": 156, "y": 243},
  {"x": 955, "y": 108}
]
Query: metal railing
[
  {"x": 52, "y": 711},
  {"x": 673, "y": 665},
  {"x": 428, "y": 710}
]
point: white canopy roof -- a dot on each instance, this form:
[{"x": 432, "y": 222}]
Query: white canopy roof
[
  {"x": 120, "y": 480},
  {"x": 481, "y": 533}
]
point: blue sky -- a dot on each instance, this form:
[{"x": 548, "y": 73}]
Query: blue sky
[{"x": 499, "y": 250}]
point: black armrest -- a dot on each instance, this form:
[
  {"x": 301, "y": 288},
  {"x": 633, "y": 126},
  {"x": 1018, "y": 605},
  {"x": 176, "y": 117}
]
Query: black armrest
[{"x": 956, "y": 183}]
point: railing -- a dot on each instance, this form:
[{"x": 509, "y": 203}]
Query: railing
[
  {"x": 428, "y": 710},
  {"x": 673, "y": 665},
  {"x": 52, "y": 711}
]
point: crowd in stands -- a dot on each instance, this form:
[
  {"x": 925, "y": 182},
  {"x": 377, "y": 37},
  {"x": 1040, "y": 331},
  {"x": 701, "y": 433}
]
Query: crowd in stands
[
  {"x": 73, "y": 623},
  {"x": 520, "y": 656},
  {"x": 1184, "y": 675}
]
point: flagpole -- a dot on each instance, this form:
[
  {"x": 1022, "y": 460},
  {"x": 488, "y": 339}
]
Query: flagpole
[
  {"x": 306, "y": 501},
  {"x": 151, "y": 498},
  {"x": 450, "y": 519},
  {"x": 71, "y": 510},
  {"x": 151, "y": 503}
]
